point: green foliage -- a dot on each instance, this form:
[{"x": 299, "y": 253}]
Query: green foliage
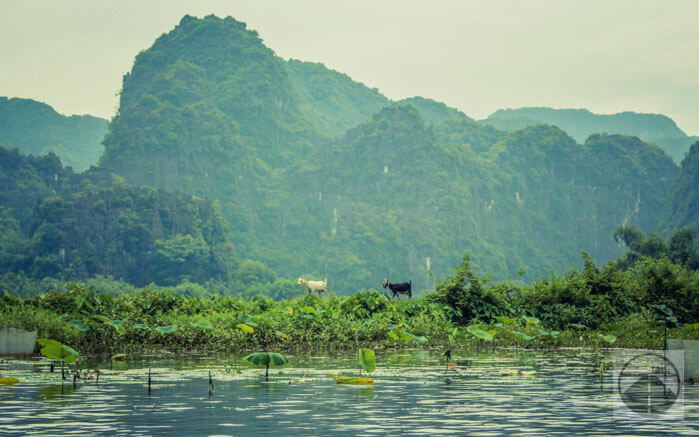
[
  {"x": 367, "y": 361},
  {"x": 55, "y": 350},
  {"x": 469, "y": 295}
]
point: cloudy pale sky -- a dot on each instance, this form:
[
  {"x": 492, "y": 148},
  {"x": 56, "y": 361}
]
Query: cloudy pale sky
[{"x": 478, "y": 56}]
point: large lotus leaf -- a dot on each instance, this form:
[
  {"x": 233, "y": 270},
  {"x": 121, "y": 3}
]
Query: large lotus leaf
[
  {"x": 479, "y": 333},
  {"x": 367, "y": 360},
  {"x": 141, "y": 326},
  {"x": 522, "y": 336},
  {"x": 102, "y": 318},
  {"x": 419, "y": 339},
  {"x": 266, "y": 358},
  {"x": 578, "y": 326},
  {"x": 609, "y": 338},
  {"x": 71, "y": 355},
  {"x": 169, "y": 329},
  {"x": 55, "y": 350},
  {"x": 48, "y": 342},
  {"x": 531, "y": 320},
  {"x": 544, "y": 333}
]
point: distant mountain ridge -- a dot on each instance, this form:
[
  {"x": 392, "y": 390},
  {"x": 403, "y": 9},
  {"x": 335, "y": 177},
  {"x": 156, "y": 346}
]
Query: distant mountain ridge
[
  {"x": 581, "y": 123},
  {"x": 321, "y": 176},
  {"x": 36, "y": 128}
]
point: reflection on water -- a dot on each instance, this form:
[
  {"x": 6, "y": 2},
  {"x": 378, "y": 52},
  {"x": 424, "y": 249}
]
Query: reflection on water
[{"x": 487, "y": 393}]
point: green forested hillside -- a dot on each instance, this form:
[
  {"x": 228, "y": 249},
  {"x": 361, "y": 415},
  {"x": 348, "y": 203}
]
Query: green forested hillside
[
  {"x": 580, "y": 123},
  {"x": 332, "y": 100},
  {"x": 55, "y": 223},
  {"x": 434, "y": 112},
  {"x": 317, "y": 175},
  {"x": 37, "y": 129},
  {"x": 685, "y": 194},
  {"x": 528, "y": 200},
  {"x": 395, "y": 196}
]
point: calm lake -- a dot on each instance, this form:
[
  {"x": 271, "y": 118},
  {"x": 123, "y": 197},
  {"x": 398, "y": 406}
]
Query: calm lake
[{"x": 557, "y": 392}]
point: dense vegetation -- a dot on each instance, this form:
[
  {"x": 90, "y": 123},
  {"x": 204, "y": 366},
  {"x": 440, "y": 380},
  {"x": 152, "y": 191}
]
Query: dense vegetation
[
  {"x": 581, "y": 123},
  {"x": 233, "y": 134},
  {"x": 36, "y": 128},
  {"x": 332, "y": 100},
  {"x": 684, "y": 199},
  {"x": 626, "y": 304}
]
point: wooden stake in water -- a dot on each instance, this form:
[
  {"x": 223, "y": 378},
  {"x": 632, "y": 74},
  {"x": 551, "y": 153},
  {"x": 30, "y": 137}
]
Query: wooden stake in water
[
  {"x": 149, "y": 380},
  {"x": 211, "y": 384}
]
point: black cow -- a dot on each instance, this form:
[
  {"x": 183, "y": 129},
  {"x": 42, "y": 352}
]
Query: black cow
[{"x": 402, "y": 288}]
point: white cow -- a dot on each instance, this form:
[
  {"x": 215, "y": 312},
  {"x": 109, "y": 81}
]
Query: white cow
[{"x": 317, "y": 286}]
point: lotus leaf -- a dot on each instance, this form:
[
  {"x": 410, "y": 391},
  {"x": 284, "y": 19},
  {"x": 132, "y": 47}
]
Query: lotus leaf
[
  {"x": 531, "y": 320},
  {"x": 355, "y": 380},
  {"x": 204, "y": 325},
  {"x": 367, "y": 360},
  {"x": 522, "y": 336},
  {"x": 479, "y": 333},
  {"x": 169, "y": 329}
]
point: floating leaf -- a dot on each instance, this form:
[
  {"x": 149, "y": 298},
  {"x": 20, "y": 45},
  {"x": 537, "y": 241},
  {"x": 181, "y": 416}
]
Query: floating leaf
[
  {"x": 141, "y": 326},
  {"x": 245, "y": 328},
  {"x": 367, "y": 360},
  {"x": 355, "y": 380},
  {"x": 479, "y": 333},
  {"x": 169, "y": 329},
  {"x": 578, "y": 326},
  {"x": 204, "y": 325},
  {"x": 8, "y": 380}
]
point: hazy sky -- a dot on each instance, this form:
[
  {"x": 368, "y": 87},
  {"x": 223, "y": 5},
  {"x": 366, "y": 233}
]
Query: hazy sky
[{"x": 479, "y": 56}]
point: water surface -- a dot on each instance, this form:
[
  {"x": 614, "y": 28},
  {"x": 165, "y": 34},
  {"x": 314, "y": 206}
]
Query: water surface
[{"x": 558, "y": 393}]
